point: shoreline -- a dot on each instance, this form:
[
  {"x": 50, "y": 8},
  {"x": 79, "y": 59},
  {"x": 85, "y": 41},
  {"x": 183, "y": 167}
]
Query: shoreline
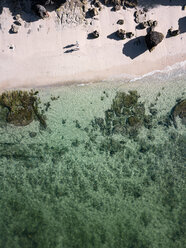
[
  {"x": 38, "y": 57},
  {"x": 114, "y": 78}
]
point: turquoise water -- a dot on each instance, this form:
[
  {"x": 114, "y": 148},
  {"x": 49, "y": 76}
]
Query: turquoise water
[{"x": 92, "y": 180}]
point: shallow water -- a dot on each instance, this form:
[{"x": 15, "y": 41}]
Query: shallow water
[{"x": 86, "y": 181}]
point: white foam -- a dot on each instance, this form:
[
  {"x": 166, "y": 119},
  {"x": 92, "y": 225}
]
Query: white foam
[{"x": 177, "y": 66}]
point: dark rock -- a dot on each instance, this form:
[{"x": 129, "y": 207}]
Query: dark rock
[
  {"x": 14, "y": 29},
  {"x": 40, "y": 11},
  {"x": 150, "y": 23},
  {"x": 96, "y": 3},
  {"x": 152, "y": 39},
  {"x": 142, "y": 25},
  {"x": 145, "y": 10},
  {"x": 131, "y": 3},
  {"x": 136, "y": 14},
  {"x": 129, "y": 35},
  {"x": 117, "y": 7},
  {"x": 95, "y": 34},
  {"x": 121, "y": 34},
  {"x": 155, "y": 23},
  {"x": 93, "y": 12},
  {"x": 120, "y": 22},
  {"x": 172, "y": 32},
  {"x": 18, "y": 23},
  {"x": 179, "y": 110},
  {"x": 32, "y": 134}
]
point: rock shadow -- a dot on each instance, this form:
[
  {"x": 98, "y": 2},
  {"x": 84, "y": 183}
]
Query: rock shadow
[
  {"x": 113, "y": 36},
  {"x": 182, "y": 24},
  {"x": 135, "y": 47},
  {"x": 153, "y": 3},
  {"x": 25, "y": 8}
]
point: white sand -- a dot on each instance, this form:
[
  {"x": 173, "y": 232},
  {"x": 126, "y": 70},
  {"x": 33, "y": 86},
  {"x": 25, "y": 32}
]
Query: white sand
[{"x": 38, "y": 58}]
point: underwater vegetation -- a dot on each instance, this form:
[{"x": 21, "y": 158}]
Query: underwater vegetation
[
  {"x": 116, "y": 180},
  {"x": 125, "y": 116},
  {"x": 179, "y": 110},
  {"x": 22, "y": 107}
]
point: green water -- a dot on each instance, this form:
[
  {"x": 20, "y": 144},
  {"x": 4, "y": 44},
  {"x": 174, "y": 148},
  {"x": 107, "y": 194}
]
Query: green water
[{"x": 84, "y": 183}]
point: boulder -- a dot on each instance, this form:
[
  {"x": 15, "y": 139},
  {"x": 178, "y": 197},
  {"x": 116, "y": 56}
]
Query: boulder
[
  {"x": 93, "y": 12},
  {"x": 120, "y": 22},
  {"x": 129, "y": 35},
  {"x": 97, "y": 4},
  {"x": 117, "y": 7},
  {"x": 152, "y": 39},
  {"x": 155, "y": 23},
  {"x": 14, "y": 29},
  {"x": 121, "y": 34},
  {"x": 93, "y": 35},
  {"x": 142, "y": 25},
  {"x": 150, "y": 23},
  {"x": 172, "y": 32}
]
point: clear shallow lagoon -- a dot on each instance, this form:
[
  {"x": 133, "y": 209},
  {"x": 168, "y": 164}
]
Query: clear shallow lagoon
[{"x": 87, "y": 182}]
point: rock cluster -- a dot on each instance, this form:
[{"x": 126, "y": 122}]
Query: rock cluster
[
  {"x": 122, "y": 34},
  {"x": 117, "y": 4}
]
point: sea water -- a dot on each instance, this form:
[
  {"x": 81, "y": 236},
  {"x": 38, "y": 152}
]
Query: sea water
[{"x": 81, "y": 182}]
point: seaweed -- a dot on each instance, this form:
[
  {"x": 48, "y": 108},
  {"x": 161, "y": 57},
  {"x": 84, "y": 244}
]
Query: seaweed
[{"x": 125, "y": 116}]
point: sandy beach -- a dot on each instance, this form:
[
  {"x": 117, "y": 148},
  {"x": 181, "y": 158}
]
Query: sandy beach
[{"x": 39, "y": 55}]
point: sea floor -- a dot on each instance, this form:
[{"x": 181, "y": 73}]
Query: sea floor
[{"x": 107, "y": 172}]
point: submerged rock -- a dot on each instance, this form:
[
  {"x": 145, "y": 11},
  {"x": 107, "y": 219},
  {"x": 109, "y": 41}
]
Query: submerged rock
[
  {"x": 179, "y": 110},
  {"x": 22, "y": 107},
  {"x": 152, "y": 39}
]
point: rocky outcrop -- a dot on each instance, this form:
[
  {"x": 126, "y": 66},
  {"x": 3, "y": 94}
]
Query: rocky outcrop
[
  {"x": 72, "y": 12},
  {"x": 121, "y": 3},
  {"x": 152, "y": 39}
]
